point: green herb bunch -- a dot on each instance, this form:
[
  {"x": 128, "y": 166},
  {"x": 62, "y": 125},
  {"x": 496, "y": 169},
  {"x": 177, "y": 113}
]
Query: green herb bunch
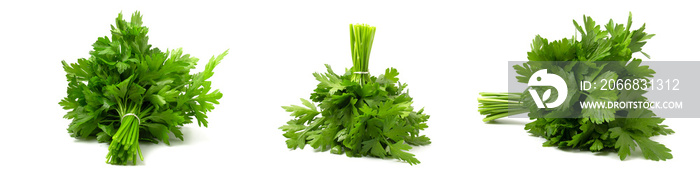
[
  {"x": 360, "y": 115},
  {"x": 570, "y": 126},
  {"x": 129, "y": 91}
]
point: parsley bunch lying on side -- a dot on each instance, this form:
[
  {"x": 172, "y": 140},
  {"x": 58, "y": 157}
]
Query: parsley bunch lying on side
[
  {"x": 359, "y": 114},
  {"x": 569, "y": 126},
  {"x": 128, "y": 92}
]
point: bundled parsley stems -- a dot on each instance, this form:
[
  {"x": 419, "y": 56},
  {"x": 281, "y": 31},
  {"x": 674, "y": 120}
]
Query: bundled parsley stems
[
  {"x": 587, "y": 129},
  {"x": 128, "y": 92},
  {"x": 360, "y": 115}
]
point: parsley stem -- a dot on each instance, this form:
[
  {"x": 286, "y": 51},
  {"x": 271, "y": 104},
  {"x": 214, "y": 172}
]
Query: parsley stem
[
  {"x": 125, "y": 142},
  {"x": 361, "y": 40},
  {"x": 499, "y": 105}
]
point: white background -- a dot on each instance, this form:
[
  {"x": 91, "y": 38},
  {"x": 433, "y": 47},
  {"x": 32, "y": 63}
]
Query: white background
[{"x": 446, "y": 51}]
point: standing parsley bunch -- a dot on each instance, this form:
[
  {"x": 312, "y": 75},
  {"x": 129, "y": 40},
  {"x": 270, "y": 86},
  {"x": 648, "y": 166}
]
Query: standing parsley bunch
[
  {"x": 128, "y": 92},
  {"x": 569, "y": 126},
  {"x": 360, "y": 115}
]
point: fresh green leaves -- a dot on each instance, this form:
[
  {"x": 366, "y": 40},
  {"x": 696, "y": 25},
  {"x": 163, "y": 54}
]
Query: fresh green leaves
[
  {"x": 127, "y": 91},
  {"x": 360, "y": 115},
  {"x": 376, "y": 119},
  {"x": 600, "y": 54}
]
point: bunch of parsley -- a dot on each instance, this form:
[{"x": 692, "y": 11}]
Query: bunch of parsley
[
  {"x": 569, "y": 126},
  {"x": 128, "y": 91},
  {"x": 360, "y": 115}
]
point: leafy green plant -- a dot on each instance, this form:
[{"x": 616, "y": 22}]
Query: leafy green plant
[
  {"x": 568, "y": 126},
  {"x": 359, "y": 114},
  {"x": 128, "y": 91}
]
